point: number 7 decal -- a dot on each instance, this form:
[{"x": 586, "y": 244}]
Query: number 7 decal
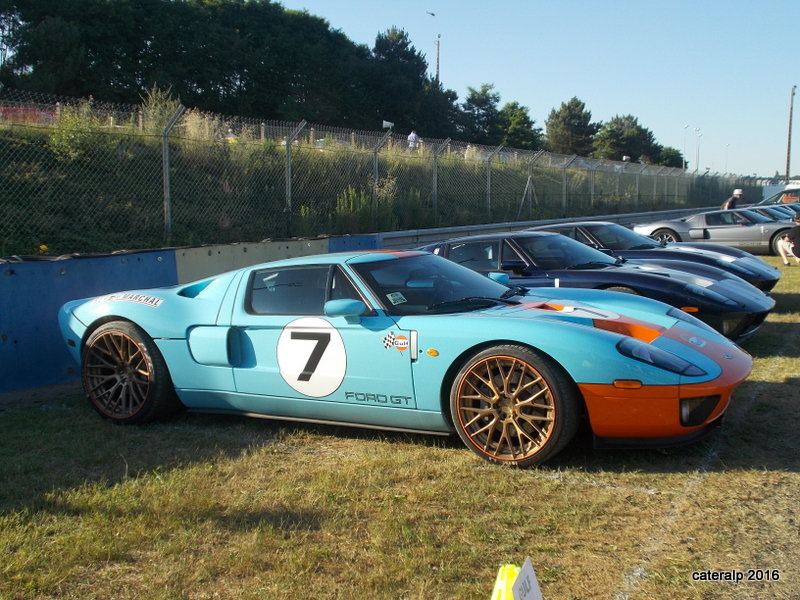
[
  {"x": 322, "y": 339},
  {"x": 311, "y": 357}
]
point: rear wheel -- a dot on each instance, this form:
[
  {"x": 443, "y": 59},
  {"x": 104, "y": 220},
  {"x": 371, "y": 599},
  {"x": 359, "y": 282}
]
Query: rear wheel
[
  {"x": 776, "y": 239},
  {"x": 125, "y": 376},
  {"x": 512, "y": 405},
  {"x": 666, "y": 235}
]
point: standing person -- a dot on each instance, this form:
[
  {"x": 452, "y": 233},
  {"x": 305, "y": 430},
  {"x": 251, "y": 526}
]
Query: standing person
[
  {"x": 790, "y": 243},
  {"x": 413, "y": 140},
  {"x": 731, "y": 202}
]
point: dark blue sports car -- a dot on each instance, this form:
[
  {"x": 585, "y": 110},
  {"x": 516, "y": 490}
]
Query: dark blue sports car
[
  {"x": 617, "y": 240},
  {"x": 544, "y": 259}
]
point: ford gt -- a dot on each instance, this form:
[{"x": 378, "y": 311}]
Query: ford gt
[{"x": 408, "y": 341}]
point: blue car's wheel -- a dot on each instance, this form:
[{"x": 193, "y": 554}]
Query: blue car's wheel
[
  {"x": 511, "y": 405},
  {"x": 125, "y": 376}
]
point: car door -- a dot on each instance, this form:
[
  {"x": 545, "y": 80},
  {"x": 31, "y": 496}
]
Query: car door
[
  {"x": 730, "y": 228},
  {"x": 295, "y": 360}
]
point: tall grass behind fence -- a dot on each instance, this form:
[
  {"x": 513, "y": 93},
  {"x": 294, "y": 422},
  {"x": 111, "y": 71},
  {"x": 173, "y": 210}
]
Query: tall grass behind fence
[{"x": 82, "y": 176}]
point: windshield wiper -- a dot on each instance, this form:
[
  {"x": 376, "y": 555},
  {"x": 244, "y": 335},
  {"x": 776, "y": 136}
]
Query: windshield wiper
[
  {"x": 482, "y": 300},
  {"x": 515, "y": 290}
]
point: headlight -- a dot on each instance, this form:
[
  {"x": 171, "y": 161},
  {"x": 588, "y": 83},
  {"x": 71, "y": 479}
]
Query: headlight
[
  {"x": 638, "y": 350},
  {"x": 710, "y": 294}
]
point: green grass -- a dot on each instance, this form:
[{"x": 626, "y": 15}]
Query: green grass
[{"x": 201, "y": 507}]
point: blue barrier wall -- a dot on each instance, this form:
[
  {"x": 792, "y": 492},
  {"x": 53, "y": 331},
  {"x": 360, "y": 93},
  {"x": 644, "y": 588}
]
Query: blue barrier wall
[
  {"x": 32, "y": 352},
  {"x": 32, "y": 290}
]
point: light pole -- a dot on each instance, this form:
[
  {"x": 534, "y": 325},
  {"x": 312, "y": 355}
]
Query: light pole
[
  {"x": 697, "y": 149},
  {"x": 726, "y": 157},
  {"x": 685, "y": 127},
  {"x": 789, "y": 143},
  {"x": 438, "y": 43}
]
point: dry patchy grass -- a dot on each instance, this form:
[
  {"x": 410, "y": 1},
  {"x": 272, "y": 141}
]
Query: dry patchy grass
[{"x": 202, "y": 507}]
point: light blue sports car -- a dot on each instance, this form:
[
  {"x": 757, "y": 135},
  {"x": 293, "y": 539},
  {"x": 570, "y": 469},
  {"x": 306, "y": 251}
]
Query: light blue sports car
[{"x": 407, "y": 341}]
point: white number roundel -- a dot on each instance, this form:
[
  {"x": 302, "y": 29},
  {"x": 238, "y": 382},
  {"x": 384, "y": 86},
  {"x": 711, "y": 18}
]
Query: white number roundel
[{"x": 311, "y": 357}]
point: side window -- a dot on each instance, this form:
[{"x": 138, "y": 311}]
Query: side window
[
  {"x": 480, "y": 255},
  {"x": 511, "y": 255},
  {"x": 288, "y": 291},
  {"x": 606, "y": 238},
  {"x": 714, "y": 219},
  {"x": 342, "y": 288},
  {"x": 570, "y": 232}
]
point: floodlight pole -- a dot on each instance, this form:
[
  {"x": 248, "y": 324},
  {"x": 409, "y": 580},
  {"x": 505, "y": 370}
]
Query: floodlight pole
[{"x": 789, "y": 143}]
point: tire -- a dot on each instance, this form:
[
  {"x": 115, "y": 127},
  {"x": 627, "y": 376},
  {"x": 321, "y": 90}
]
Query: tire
[
  {"x": 124, "y": 375},
  {"x": 512, "y": 405},
  {"x": 666, "y": 235},
  {"x": 621, "y": 288},
  {"x": 773, "y": 244}
]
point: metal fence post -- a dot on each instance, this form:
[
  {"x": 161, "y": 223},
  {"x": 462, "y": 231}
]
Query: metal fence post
[
  {"x": 435, "y": 183},
  {"x": 489, "y": 158},
  {"x": 376, "y": 172},
  {"x": 165, "y": 172},
  {"x": 564, "y": 185},
  {"x": 289, "y": 141}
]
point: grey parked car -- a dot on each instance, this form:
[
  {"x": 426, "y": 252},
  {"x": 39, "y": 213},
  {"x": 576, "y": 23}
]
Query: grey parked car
[{"x": 744, "y": 229}]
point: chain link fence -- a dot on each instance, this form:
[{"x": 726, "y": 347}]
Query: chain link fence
[{"x": 80, "y": 176}]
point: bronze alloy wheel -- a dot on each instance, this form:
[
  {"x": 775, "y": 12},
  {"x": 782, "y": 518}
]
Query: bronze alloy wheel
[
  {"x": 512, "y": 405},
  {"x": 124, "y": 375}
]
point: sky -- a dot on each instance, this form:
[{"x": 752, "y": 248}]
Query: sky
[{"x": 711, "y": 78}]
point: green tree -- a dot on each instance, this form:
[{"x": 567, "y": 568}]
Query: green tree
[
  {"x": 480, "y": 117},
  {"x": 570, "y": 129},
  {"x": 398, "y": 79},
  {"x": 518, "y": 129},
  {"x": 622, "y": 137},
  {"x": 670, "y": 157}
]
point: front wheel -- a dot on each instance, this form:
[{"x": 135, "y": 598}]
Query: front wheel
[
  {"x": 513, "y": 405},
  {"x": 125, "y": 376},
  {"x": 666, "y": 236}
]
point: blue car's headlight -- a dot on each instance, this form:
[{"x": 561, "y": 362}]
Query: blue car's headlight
[
  {"x": 699, "y": 290},
  {"x": 639, "y": 350}
]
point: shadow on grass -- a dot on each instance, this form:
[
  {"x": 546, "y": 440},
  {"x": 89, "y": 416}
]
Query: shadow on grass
[
  {"x": 63, "y": 445},
  {"x": 769, "y": 341},
  {"x": 786, "y": 303}
]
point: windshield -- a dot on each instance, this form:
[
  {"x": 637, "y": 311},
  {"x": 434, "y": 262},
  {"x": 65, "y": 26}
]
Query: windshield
[
  {"x": 755, "y": 217},
  {"x": 552, "y": 252},
  {"x": 618, "y": 237},
  {"x": 411, "y": 285}
]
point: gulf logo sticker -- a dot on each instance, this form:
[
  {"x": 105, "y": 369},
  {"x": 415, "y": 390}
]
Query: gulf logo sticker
[{"x": 395, "y": 341}]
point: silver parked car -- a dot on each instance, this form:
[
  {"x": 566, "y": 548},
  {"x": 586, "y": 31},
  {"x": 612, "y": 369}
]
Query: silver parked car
[{"x": 739, "y": 228}]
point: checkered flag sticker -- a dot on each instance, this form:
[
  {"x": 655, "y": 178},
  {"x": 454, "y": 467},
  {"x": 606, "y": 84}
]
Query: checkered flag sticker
[{"x": 388, "y": 341}]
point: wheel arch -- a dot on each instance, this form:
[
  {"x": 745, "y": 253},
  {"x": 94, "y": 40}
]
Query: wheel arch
[
  {"x": 98, "y": 323},
  {"x": 773, "y": 241},
  {"x": 458, "y": 362}
]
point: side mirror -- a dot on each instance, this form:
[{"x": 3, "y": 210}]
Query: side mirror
[
  {"x": 345, "y": 307},
  {"x": 498, "y": 277}
]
